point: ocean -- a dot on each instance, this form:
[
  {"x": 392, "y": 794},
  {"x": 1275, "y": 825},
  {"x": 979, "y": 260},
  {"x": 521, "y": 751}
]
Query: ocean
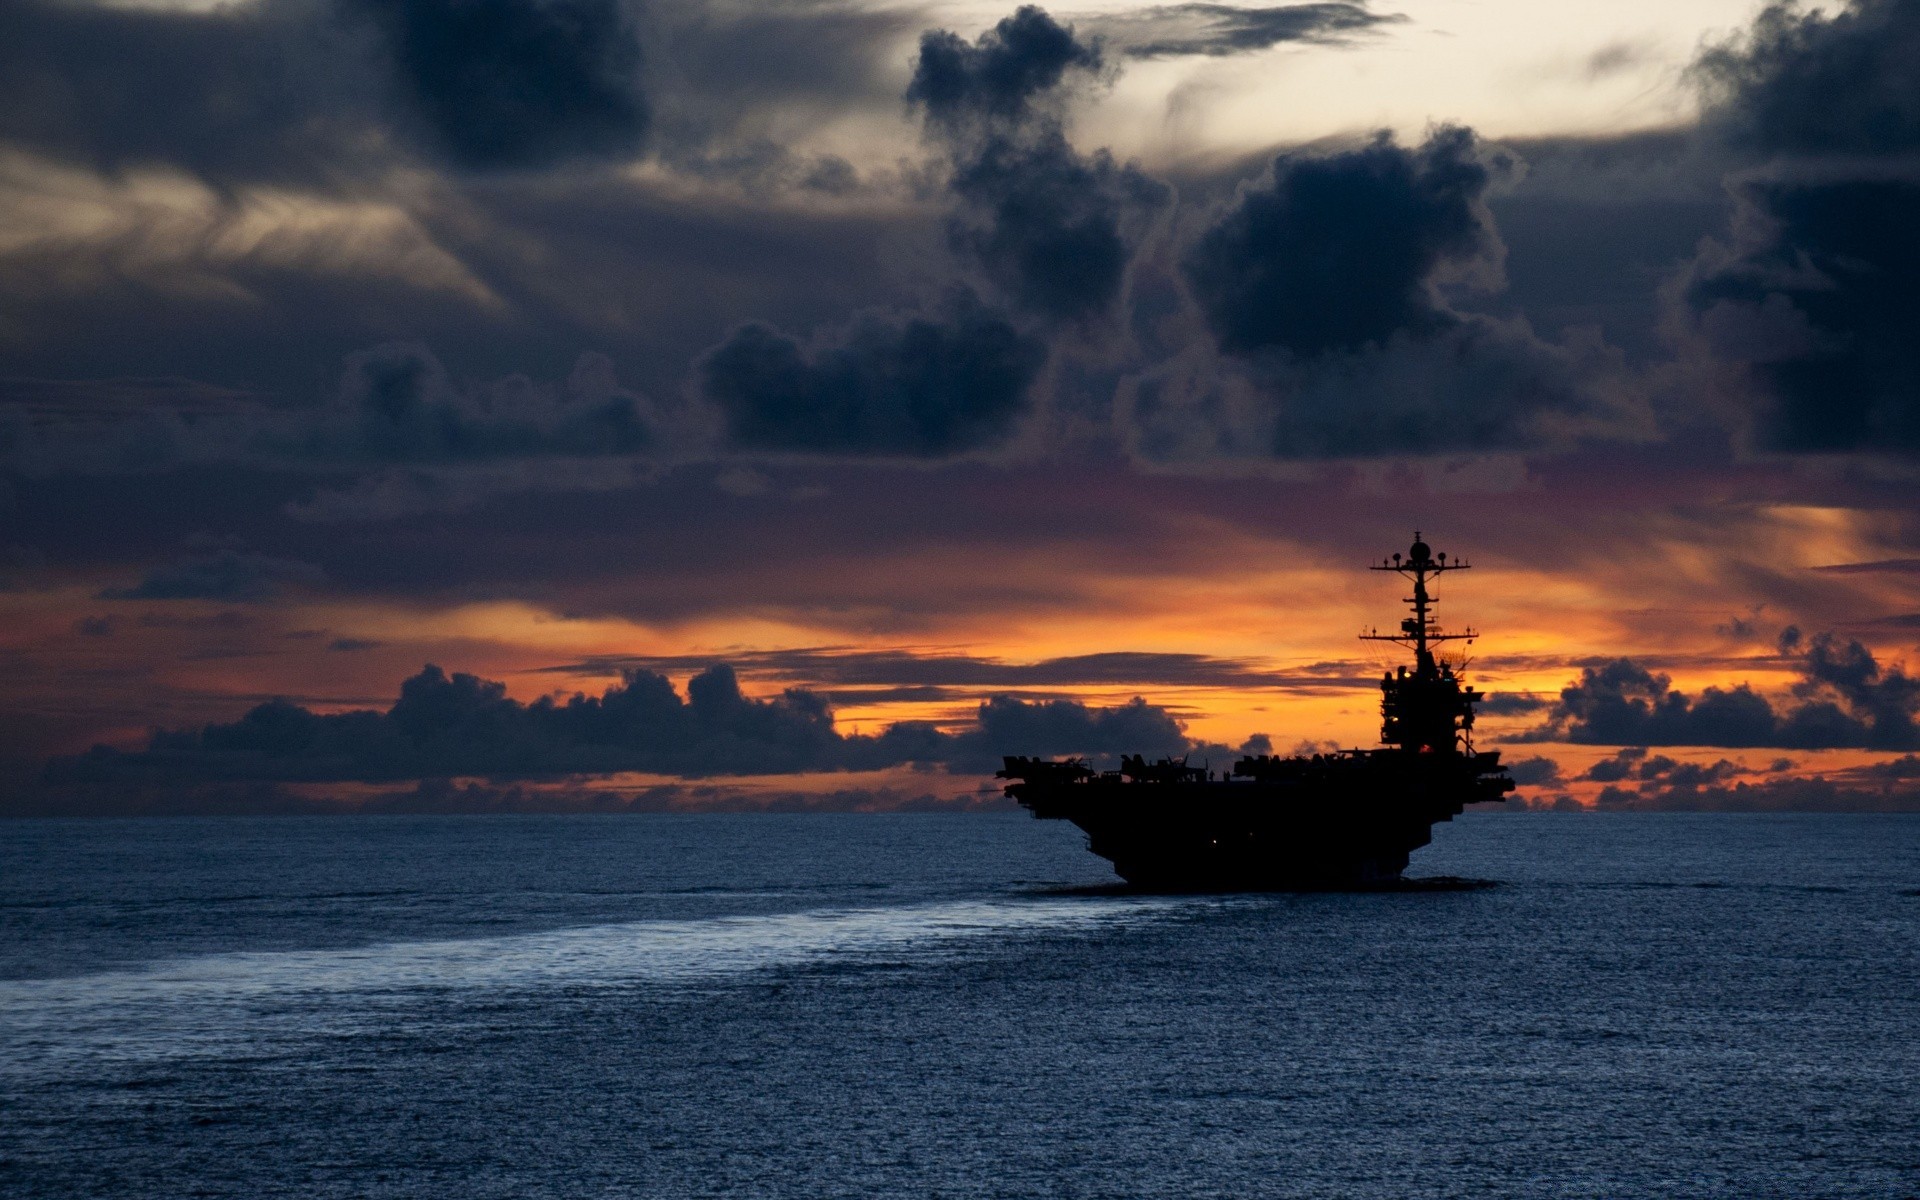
[{"x": 1608, "y": 1005}]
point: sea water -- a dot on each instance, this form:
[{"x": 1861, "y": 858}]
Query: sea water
[{"x": 926, "y": 1005}]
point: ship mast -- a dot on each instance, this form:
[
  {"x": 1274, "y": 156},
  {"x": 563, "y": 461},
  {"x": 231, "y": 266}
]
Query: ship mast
[
  {"x": 1428, "y": 711},
  {"x": 1419, "y": 632}
]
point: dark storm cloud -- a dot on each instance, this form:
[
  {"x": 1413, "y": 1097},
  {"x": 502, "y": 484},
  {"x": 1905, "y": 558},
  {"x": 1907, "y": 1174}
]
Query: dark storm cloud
[
  {"x": 325, "y": 90},
  {"x": 1846, "y": 698},
  {"x": 1330, "y": 299},
  {"x": 228, "y": 574},
  {"x": 1818, "y": 296},
  {"x": 1812, "y": 293},
  {"x": 1173, "y": 30},
  {"x": 1051, "y": 223},
  {"x": 517, "y": 83},
  {"x": 273, "y": 90},
  {"x": 1052, "y": 228},
  {"x": 1343, "y": 251},
  {"x": 452, "y": 725},
  {"x": 1004, "y": 77},
  {"x": 311, "y": 88},
  {"x": 1820, "y": 83},
  {"x": 396, "y": 404},
  {"x": 911, "y": 386}
]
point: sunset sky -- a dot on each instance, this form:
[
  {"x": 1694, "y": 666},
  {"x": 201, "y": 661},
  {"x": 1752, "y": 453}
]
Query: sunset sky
[{"x": 836, "y": 395}]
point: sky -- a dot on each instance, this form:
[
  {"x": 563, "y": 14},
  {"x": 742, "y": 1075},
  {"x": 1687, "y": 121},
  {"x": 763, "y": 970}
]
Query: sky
[{"x": 422, "y": 405}]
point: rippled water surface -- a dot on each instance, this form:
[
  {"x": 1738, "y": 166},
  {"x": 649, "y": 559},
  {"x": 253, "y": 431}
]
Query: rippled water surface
[{"x": 805, "y": 1006}]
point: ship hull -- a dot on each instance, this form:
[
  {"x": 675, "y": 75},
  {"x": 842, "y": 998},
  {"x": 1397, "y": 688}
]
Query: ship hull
[{"x": 1342, "y": 822}]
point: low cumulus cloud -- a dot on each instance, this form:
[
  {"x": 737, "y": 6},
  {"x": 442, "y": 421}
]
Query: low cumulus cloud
[
  {"x": 1639, "y": 781},
  {"x": 1844, "y": 699},
  {"x": 1811, "y": 295},
  {"x": 446, "y": 725}
]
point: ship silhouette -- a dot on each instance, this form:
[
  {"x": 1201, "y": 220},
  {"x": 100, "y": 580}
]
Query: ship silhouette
[{"x": 1347, "y": 819}]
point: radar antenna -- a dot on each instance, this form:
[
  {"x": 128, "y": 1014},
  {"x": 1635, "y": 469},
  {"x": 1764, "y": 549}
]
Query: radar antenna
[
  {"x": 1428, "y": 711},
  {"x": 1419, "y": 632}
]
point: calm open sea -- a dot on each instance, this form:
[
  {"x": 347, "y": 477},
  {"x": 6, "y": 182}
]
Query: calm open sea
[{"x": 916, "y": 1005}]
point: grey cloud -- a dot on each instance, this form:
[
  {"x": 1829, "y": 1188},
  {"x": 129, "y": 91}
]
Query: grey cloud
[
  {"x": 1810, "y": 296},
  {"x": 1003, "y": 77},
  {"x": 848, "y": 668},
  {"x": 1534, "y": 772},
  {"x": 1816, "y": 794},
  {"x": 517, "y": 83},
  {"x": 1329, "y": 296},
  {"x": 911, "y": 386},
  {"x": 1817, "y": 82},
  {"x": 1052, "y": 228},
  {"x": 1052, "y": 225},
  {"x": 455, "y": 725},
  {"x": 1815, "y": 296},
  {"x": 1509, "y": 704},
  {"x": 1847, "y": 699},
  {"x": 317, "y": 90},
  {"x": 229, "y": 575},
  {"x": 1174, "y": 30},
  {"x": 1343, "y": 251},
  {"x": 274, "y": 90},
  {"x": 396, "y": 404}
]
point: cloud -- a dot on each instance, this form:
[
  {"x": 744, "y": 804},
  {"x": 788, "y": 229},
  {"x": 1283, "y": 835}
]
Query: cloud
[
  {"x": 396, "y": 404},
  {"x": 909, "y": 386},
  {"x": 315, "y": 90},
  {"x": 1002, "y": 78},
  {"x": 269, "y": 90},
  {"x": 1344, "y": 251},
  {"x": 1215, "y": 30},
  {"x": 1052, "y": 228},
  {"x": 1810, "y": 297},
  {"x": 1662, "y": 785},
  {"x": 517, "y": 83},
  {"x": 1813, "y": 82},
  {"x": 1327, "y": 296},
  {"x": 445, "y": 726},
  {"x": 1815, "y": 296},
  {"x": 1847, "y": 699},
  {"x": 840, "y": 667},
  {"x": 228, "y": 575}
]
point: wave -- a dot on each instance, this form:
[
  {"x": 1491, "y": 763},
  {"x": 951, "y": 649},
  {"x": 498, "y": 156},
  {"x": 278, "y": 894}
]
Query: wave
[{"x": 190, "y": 1005}]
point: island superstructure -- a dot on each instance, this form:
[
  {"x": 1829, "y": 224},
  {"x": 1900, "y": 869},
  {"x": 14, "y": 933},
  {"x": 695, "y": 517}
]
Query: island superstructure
[{"x": 1350, "y": 818}]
